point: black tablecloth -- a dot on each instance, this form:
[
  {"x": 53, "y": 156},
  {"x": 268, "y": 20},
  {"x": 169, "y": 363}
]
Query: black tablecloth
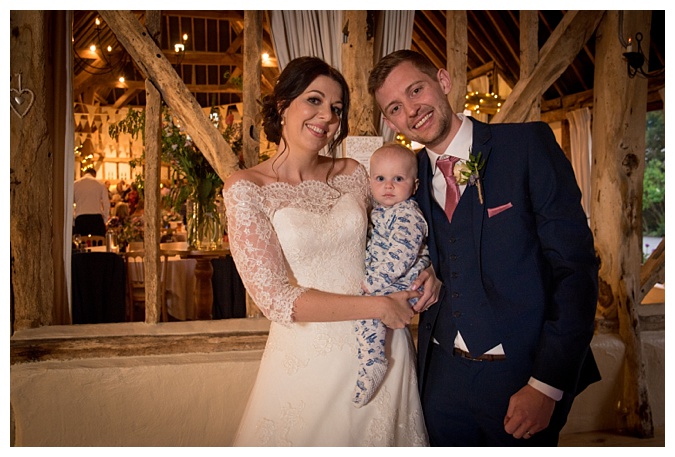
[
  {"x": 98, "y": 285},
  {"x": 229, "y": 295}
]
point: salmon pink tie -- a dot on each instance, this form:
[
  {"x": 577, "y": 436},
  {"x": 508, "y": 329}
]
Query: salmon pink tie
[{"x": 446, "y": 165}]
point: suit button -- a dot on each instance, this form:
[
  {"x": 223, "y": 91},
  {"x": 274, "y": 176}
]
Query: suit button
[
  {"x": 427, "y": 326},
  {"x": 452, "y": 239},
  {"x": 455, "y": 294},
  {"x": 454, "y": 275},
  {"x": 457, "y": 314},
  {"x": 453, "y": 257}
]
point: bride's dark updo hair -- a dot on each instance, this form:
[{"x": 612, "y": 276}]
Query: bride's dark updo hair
[{"x": 292, "y": 82}]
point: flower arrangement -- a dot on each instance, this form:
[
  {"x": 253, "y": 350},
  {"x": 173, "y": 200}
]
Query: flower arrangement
[
  {"x": 196, "y": 182},
  {"x": 468, "y": 172},
  {"x": 129, "y": 230}
]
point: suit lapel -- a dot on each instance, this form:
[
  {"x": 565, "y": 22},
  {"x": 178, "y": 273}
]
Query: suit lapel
[
  {"x": 481, "y": 142},
  {"x": 424, "y": 197}
]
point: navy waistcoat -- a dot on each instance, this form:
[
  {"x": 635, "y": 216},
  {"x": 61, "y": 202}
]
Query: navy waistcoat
[{"x": 465, "y": 307}]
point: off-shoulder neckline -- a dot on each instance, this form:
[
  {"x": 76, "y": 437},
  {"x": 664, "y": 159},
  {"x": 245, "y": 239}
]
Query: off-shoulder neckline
[{"x": 353, "y": 174}]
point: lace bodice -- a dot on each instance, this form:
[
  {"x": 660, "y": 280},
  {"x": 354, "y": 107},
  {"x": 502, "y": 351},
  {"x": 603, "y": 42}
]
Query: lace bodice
[{"x": 287, "y": 238}]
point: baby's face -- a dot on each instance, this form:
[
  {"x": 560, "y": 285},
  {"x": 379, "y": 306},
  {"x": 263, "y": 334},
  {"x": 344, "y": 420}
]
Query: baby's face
[{"x": 392, "y": 179}]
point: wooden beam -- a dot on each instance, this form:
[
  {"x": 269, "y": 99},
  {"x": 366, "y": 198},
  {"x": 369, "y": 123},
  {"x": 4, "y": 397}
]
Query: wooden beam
[
  {"x": 480, "y": 71},
  {"x": 252, "y": 65},
  {"x": 555, "y": 110},
  {"x": 618, "y": 132},
  {"x": 31, "y": 173},
  {"x": 425, "y": 49},
  {"x": 555, "y": 56},
  {"x": 529, "y": 55},
  {"x": 151, "y": 173},
  {"x": 132, "y": 342},
  {"x": 203, "y": 58},
  {"x": 653, "y": 271},
  {"x": 194, "y": 88},
  {"x": 428, "y": 34},
  {"x": 225, "y": 15},
  {"x": 128, "y": 95},
  {"x": 456, "y": 51},
  {"x": 152, "y": 62},
  {"x": 357, "y": 61}
]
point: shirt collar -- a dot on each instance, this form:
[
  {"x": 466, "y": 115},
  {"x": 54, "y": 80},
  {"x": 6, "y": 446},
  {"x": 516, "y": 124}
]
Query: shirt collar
[{"x": 460, "y": 144}]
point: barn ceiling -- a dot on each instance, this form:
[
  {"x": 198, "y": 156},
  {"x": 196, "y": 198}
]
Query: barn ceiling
[{"x": 212, "y": 60}]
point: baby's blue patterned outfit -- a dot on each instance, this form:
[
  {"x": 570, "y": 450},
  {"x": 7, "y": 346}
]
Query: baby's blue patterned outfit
[{"x": 396, "y": 253}]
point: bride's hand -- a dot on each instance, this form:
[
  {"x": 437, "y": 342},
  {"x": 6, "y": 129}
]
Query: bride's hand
[
  {"x": 432, "y": 289},
  {"x": 397, "y": 312}
]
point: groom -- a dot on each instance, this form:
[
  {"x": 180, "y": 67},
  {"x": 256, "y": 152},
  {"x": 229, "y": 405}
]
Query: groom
[{"x": 507, "y": 348}]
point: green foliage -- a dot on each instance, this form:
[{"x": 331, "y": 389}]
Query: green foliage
[
  {"x": 654, "y": 183},
  {"x": 133, "y": 124},
  {"x": 236, "y": 81},
  {"x": 192, "y": 174},
  {"x": 188, "y": 165}
]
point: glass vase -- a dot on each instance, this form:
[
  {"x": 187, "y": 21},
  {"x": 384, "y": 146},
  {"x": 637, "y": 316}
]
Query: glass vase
[{"x": 204, "y": 231}]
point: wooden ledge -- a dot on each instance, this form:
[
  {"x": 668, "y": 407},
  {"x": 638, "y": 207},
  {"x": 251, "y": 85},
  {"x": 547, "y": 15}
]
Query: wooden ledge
[{"x": 137, "y": 339}]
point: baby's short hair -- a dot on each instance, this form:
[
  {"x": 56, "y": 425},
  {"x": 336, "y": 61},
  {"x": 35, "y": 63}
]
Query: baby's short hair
[{"x": 399, "y": 149}]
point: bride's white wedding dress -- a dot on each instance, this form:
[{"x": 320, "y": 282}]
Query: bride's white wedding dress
[{"x": 287, "y": 238}]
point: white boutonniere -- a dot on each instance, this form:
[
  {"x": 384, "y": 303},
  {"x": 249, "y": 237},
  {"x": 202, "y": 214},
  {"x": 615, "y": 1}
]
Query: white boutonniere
[{"x": 468, "y": 172}]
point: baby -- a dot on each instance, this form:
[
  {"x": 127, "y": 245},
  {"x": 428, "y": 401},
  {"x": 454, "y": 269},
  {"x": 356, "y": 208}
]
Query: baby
[{"x": 395, "y": 254}]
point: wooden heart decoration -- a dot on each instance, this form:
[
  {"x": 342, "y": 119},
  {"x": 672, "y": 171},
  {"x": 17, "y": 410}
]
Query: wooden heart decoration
[{"x": 21, "y": 101}]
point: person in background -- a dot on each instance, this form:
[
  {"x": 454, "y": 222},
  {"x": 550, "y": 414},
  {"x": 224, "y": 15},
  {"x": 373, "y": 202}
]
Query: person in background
[
  {"x": 121, "y": 211},
  {"x": 507, "y": 348},
  {"x": 122, "y": 189},
  {"x": 396, "y": 253},
  {"x": 297, "y": 226},
  {"x": 92, "y": 205},
  {"x": 132, "y": 197}
]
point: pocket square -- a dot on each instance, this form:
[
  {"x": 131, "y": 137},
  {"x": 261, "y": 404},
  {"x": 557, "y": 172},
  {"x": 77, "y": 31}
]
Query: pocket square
[{"x": 498, "y": 209}]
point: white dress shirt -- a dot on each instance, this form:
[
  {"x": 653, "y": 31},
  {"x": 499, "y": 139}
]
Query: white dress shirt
[
  {"x": 460, "y": 146},
  {"x": 91, "y": 197}
]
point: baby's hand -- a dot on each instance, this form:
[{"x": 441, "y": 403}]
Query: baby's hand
[{"x": 413, "y": 301}]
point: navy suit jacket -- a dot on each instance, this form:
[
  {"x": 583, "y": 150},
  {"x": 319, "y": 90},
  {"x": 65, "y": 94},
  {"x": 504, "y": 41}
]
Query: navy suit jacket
[{"x": 535, "y": 253}]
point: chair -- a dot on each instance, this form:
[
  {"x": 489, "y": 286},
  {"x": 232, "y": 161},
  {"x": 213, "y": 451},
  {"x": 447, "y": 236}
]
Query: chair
[
  {"x": 135, "y": 270},
  {"x": 93, "y": 240},
  {"x": 135, "y": 246}
]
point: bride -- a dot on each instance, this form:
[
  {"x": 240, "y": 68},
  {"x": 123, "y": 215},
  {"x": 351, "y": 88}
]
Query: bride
[{"x": 297, "y": 229}]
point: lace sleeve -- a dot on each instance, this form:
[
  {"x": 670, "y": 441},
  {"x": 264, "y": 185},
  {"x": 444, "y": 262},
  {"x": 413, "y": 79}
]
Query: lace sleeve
[{"x": 257, "y": 253}]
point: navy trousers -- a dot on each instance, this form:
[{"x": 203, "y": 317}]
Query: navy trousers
[{"x": 465, "y": 402}]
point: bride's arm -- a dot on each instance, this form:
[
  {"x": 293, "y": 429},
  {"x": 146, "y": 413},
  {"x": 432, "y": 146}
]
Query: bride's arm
[
  {"x": 393, "y": 309},
  {"x": 260, "y": 262}
]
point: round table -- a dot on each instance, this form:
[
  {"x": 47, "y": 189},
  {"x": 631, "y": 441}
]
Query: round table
[{"x": 203, "y": 296}]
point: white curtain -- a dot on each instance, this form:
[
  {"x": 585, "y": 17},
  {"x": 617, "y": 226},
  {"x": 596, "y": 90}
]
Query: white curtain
[
  {"x": 394, "y": 32},
  {"x": 581, "y": 148},
  {"x": 307, "y": 33}
]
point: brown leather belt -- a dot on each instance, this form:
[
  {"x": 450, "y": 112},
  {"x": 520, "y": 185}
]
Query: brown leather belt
[{"x": 480, "y": 358}]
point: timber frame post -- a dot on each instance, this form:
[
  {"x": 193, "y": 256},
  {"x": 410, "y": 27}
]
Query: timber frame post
[
  {"x": 616, "y": 201},
  {"x": 153, "y": 162},
  {"x": 253, "y": 35},
  {"x": 357, "y": 62},
  {"x": 456, "y": 49},
  {"x": 31, "y": 177}
]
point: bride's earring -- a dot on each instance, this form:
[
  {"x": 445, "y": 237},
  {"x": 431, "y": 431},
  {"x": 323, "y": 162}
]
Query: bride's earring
[{"x": 283, "y": 121}]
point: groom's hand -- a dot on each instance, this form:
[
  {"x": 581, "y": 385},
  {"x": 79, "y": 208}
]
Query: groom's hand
[
  {"x": 431, "y": 289},
  {"x": 529, "y": 412}
]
